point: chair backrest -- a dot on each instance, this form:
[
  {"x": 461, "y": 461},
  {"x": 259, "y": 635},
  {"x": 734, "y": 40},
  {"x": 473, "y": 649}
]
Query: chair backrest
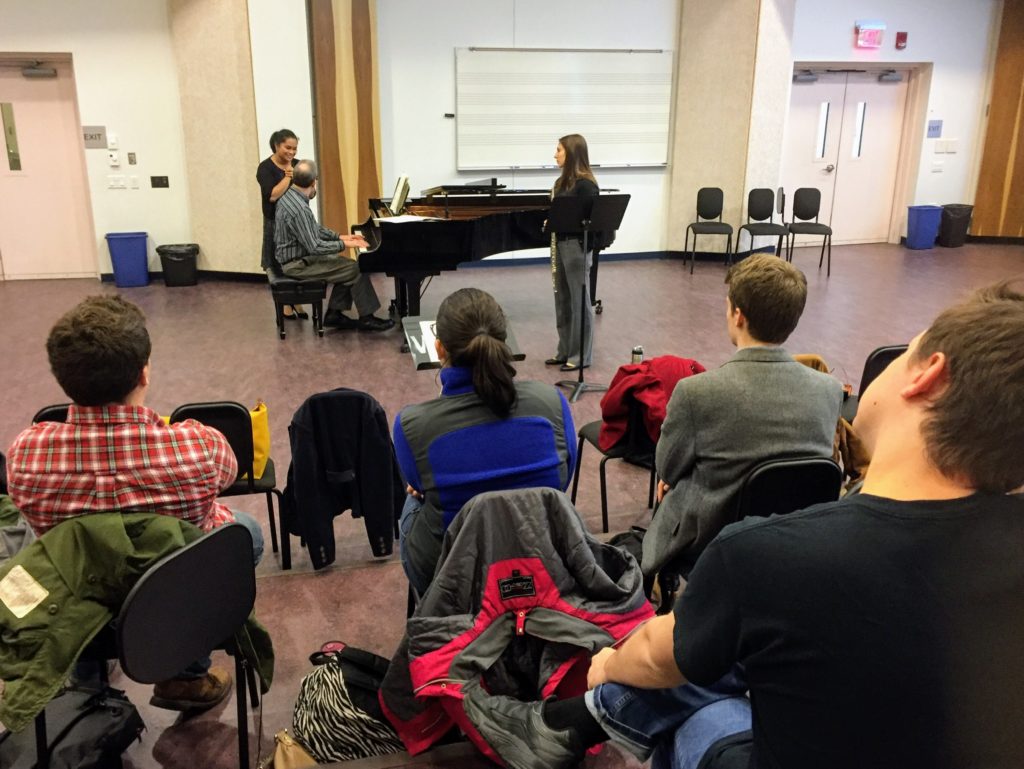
[
  {"x": 877, "y": 361},
  {"x": 781, "y": 486},
  {"x": 230, "y": 418},
  {"x": 56, "y": 413},
  {"x": 187, "y": 604},
  {"x": 806, "y": 203},
  {"x": 760, "y": 204},
  {"x": 710, "y": 201},
  {"x": 639, "y": 445}
]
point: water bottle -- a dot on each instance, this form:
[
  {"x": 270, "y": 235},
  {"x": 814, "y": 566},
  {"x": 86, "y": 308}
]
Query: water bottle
[{"x": 638, "y": 354}]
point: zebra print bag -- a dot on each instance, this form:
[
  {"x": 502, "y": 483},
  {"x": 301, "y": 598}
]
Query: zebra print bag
[{"x": 337, "y": 716}]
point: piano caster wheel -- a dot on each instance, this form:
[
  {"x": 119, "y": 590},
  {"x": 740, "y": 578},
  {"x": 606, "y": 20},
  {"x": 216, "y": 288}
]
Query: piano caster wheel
[
  {"x": 320, "y": 332},
  {"x": 404, "y": 347},
  {"x": 598, "y": 308}
]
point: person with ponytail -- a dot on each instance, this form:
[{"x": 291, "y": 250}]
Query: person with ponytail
[
  {"x": 570, "y": 267},
  {"x": 486, "y": 432}
]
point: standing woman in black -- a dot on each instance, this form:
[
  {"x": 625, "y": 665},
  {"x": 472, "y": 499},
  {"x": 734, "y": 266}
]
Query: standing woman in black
[
  {"x": 275, "y": 177},
  {"x": 570, "y": 266}
]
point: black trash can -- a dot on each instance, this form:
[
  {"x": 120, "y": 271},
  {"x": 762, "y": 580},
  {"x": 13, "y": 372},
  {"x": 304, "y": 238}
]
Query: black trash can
[
  {"x": 179, "y": 264},
  {"x": 956, "y": 218}
]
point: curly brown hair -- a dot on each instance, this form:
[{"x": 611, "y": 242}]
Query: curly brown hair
[{"x": 98, "y": 349}]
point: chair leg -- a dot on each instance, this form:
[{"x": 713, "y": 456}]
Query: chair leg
[
  {"x": 253, "y": 686},
  {"x": 728, "y": 250},
  {"x": 279, "y": 317},
  {"x": 821, "y": 259},
  {"x": 42, "y": 748},
  {"x": 241, "y": 713},
  {"x": 604, "y": 497},
  {"x": 828, "y": 271},
  {"x": 286, "y": 545},
  {"x": 650, "y": 488},
  {"x": 693, "y": 256},
  {"x": 273, "y": 524},
  {"x": 576, "y": 472},
  {"x": 686, "y": 245},
  {"x": 318, "y": 316}
]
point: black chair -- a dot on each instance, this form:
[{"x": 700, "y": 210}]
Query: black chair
[
  {"x": 876, "y": 362},
  {"x": 773, "y": 487},
  {"x": 635, "y": 447},
  {"x": 187, "y": 604},
  {"x": 709, "y": 207},
  {"x": 234, "y": 421},
  {"x": 781, "y": 486},
  {"x": 806, "y": 205},
  {"x": 760, "y": 220},
  {"x": 285, "y": 290},
  {"x": 56, "y": 413}
]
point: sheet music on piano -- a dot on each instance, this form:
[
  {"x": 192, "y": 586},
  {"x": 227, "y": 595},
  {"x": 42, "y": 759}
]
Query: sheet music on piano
[{"x": 406, "y": 218}]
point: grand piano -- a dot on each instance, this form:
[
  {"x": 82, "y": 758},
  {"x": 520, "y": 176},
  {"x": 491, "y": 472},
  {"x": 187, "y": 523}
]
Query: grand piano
[{"x": 466, "y": 223}]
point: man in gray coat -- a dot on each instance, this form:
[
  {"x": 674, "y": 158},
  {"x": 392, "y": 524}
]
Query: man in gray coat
[{"x": 760, "y": 405}]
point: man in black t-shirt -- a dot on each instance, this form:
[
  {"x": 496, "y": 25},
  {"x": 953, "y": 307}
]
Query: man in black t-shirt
[{"x": 882, "y": 630}]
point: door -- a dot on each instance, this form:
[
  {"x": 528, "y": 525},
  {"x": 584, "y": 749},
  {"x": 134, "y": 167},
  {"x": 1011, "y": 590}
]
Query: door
[
  {"x": 46, "y": 228},
  {"x": 843, "y": 137}
]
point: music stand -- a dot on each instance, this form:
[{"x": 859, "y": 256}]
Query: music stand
[{"x": 584, "y": 215}]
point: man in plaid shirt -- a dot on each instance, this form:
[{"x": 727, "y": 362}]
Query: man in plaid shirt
[{"x": 115, "y": 455}]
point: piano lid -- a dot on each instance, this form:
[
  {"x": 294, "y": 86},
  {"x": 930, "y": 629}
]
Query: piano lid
[{"x": 479, "y": 187}]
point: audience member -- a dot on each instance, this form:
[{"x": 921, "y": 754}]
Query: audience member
[
  {"x": 307, "y": 250},
  {"x": 487, "y": 432},
  {"x": 116, "y": 455},
  {"x": 760, "y": 405},
  {"x": 882, "y": 630}
]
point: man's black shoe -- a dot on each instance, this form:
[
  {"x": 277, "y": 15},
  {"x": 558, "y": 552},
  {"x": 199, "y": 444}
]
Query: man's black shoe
[
  {"x": 340, "y": 321},
  {"x": 373, "y": 323}
]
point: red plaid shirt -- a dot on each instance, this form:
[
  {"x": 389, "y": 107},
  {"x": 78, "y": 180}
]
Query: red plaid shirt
[{"x": 120, "y": 459}]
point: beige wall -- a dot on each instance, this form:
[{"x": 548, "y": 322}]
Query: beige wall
[
  {"x": 732, "y": 96},
  {"x": 210, "y": 39}
]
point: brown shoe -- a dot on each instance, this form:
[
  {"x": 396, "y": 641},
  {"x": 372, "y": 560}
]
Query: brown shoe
[{"x": 194, "y": 693}]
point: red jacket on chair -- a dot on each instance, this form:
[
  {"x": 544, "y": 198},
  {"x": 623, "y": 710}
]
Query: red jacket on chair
[{"x": 651, "y": 383}]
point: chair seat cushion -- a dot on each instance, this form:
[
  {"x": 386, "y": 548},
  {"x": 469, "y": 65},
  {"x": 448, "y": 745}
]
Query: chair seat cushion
[
  {"x": 810, "y": 228},
  {"x": 284, "y": 283},
  {"x": 765, "y": 228},
  {"x": 590, "y": 432},
  {"x": 259, "y": 485},
  {"x": 711, "y": 228}
]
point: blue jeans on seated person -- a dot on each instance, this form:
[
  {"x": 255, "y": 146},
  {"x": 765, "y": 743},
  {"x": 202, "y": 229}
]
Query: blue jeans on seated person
[
  {"x": 678, "y": 725},
  {"x": 419, "y": 580},
  {"x": 91, "y": 672}
]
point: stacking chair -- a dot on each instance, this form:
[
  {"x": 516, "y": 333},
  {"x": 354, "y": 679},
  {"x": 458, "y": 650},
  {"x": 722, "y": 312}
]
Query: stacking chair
[
  {"x": 234, "y": 421},
  {"x": 709, "y": 206},
  {"x": 760, "y": 219},
  {"x": 56, "y": 413},
  {"x": 773, "y": 487},
  {"x": 876, "y": 362},
  {"x": 806, "y": 205},
  {"x": 636, "y": 447}
]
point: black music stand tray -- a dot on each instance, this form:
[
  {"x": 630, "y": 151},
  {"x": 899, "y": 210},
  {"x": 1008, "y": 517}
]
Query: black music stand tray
[{"x": 584, "y": 215}]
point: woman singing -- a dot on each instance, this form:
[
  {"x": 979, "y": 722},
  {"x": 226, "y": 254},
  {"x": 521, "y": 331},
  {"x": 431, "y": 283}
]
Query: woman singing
[
  {"x": 486, "y": 432},
  {"x": 275, "y": 177},
  {"x": 571, "y": 267}
]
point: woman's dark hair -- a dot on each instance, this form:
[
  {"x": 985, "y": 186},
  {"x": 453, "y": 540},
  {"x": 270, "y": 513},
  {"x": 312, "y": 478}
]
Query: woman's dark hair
[
  {"x": 471, "y": 326},
  {"x": 280, "y": 137},
  {"x": 576, "y": 165}
]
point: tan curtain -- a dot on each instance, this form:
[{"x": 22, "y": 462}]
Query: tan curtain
[{"x": 347, "y": 104}]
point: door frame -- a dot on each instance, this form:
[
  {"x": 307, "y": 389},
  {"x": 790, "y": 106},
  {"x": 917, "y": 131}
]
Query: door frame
[
  {"x": 12, "y": 58},
  {"x": 915, "y": 115}
]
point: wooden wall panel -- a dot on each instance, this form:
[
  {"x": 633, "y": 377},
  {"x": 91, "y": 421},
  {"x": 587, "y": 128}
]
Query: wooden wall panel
[{"x": 999, "y": 203}]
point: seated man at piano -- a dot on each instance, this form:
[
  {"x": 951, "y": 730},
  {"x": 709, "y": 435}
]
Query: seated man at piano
[{"x": 307, "y": 250}]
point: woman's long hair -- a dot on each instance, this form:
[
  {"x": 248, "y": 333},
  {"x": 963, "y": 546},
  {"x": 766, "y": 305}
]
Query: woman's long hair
[
  {"x": 471, "y": 326},
  {"x": 576, "y": 165}
]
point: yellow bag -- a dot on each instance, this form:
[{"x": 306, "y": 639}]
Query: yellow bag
[
  {"x": 288, "y": 754},
  {"x": 260, "y": 439}
]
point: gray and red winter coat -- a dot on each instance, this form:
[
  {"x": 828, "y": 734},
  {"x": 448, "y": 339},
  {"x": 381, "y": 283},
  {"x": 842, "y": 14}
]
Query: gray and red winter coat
[{"x": 522, "y": 598}]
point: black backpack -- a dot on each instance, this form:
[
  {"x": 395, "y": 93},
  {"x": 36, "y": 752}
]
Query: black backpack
[{"x": 85, "y": 729}]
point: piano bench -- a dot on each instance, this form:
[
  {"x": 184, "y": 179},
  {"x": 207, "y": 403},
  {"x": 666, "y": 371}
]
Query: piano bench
[{"x": 285, "y": 290}]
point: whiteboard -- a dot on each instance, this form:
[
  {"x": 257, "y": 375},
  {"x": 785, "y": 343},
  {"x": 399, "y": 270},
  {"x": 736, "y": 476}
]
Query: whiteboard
[{"x": 513, "y": 104}]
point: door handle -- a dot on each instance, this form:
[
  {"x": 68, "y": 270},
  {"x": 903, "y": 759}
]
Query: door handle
[{"x": 830, "y": 168}]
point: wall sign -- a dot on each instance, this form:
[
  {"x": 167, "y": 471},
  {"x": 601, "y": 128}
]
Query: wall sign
[
  {"x": 95, "y": 137},
  {"x": 934, "y": 129},
  {"x": 869, "y": 34}
]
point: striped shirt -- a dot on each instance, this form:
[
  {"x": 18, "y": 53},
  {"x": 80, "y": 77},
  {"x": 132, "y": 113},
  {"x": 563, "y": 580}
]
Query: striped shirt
[
  {"x": 120, "y": 459},
  {"x": 297, "y": 234}
]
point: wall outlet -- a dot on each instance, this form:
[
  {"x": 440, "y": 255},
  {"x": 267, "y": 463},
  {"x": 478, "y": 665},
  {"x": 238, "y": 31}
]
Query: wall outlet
[
  {"x": 159, "y": 181},
  {"x": 131, "y": 158},
  {"x": 114, "y": 159}
]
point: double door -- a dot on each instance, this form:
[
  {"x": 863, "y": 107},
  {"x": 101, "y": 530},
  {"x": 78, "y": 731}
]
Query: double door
[{"x": 843, "y": 137}]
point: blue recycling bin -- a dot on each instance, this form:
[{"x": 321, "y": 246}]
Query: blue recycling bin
[
  {"x": 923, "y": 226},
  {"x": 128, "y": 255}
]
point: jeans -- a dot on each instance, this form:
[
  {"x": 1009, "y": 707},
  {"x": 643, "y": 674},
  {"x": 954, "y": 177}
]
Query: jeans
[
  {"x": 91, "y": 672},
  {"x": 678, "y": 725},
  {"x": 417, "y": 574}
]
